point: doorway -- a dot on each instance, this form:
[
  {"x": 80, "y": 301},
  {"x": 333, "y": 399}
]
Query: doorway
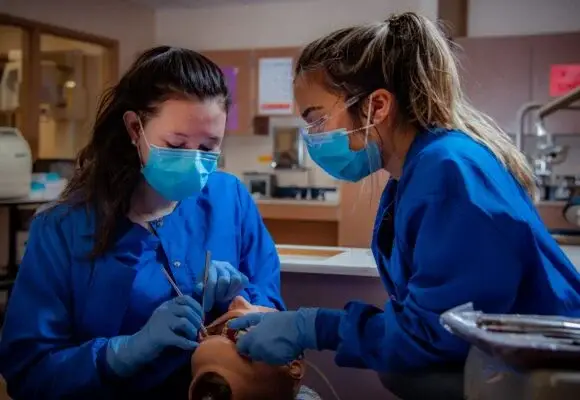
[
  {"x": 51, "y": 79},
  {"x": 11, "y": 45}
]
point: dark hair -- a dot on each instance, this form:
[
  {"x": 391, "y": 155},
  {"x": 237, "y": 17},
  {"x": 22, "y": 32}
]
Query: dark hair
[
  {"x": 108, "y": 169},
  {"x": 409, "y": 56},
  {"x": 213, "y": 386}
]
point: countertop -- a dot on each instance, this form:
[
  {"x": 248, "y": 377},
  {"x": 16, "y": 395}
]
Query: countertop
[
  {"x": 573, "y": 253},
  {"x": 349, "y": 261},
  {"x": 294, "y": 202},
  {"x": 327, "y": 260}
]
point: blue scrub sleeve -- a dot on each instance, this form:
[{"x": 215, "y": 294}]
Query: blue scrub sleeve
[
  {"x": 259, "y": 258},
  {"x": 460, "y": 254},
  {"x": 39, "y": 358}
]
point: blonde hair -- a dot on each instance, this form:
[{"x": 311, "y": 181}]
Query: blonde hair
[{"x": 411, "y": 58}]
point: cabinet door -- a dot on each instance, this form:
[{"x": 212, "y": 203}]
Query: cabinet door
[
  {"x": 359, "y": 203},
  {"x": 496, "y": 76},
  {"x": 240, "y": 62},
  {"x": 549, "y": 50}
]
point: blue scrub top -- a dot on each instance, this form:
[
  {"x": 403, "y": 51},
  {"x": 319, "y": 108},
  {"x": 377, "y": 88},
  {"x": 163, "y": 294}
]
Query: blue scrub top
[
  {"x": 64, "y": 306},
  {"x": 456, "y": 228}
]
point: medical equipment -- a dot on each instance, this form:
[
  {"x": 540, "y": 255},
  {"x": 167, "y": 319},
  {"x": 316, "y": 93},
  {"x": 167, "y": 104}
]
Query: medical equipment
[
  {"x": 180, "y": 294},
  {"x": 548, "y": 153},
  {"x": 262, "y": 184},
  {"x": 15, "y": 164},
  {"x": 518, "y": 356},
  {"x": 523, "y": 341},
  {"x": 551, "y": 327},
  {"x": 205, "y": 277},
  {"x": 172, "y": 282},
  {"x": 324, "y": 378}
]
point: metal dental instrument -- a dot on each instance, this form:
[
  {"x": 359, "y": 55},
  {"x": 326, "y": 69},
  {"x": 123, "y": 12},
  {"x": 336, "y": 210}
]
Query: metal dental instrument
[
  {"x": 180, "y": 293},
  {"x": 172, "y": 282},
  {"x": 205, "y": 277},
  {"x": 546, "y": 326}
]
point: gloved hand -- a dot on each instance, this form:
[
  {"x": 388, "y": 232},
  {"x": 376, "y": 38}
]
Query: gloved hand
[
  {"x": 277, "y": 338},
  {"x": 174, "y": 323},
  {"x": 224, "y": 282}
]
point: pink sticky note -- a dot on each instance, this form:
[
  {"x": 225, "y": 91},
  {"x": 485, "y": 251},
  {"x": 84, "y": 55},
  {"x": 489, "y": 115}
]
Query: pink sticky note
[{"x": 564, "y": 78}]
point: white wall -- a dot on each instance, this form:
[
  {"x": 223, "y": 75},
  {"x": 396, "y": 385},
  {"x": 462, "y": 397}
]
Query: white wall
[
  {"x": 283, "y": 24},
  {"x": 522, "y": 17}
]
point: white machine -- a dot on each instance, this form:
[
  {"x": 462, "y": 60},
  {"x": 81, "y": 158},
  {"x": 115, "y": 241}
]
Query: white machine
[{"x": 15, "y": 164}]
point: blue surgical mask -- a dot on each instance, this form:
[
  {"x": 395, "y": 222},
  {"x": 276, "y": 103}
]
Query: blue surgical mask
[
  {"x": 177, "y": 174},
  {"x": 331, "y": 152}
]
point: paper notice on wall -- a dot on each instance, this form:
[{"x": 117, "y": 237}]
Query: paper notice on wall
[
  {"x": 275, "y": 95},
  {"x": 564, "y": 78},
  {"x": 231, "y": 76}
]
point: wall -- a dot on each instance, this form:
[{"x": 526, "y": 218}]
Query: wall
[
  {"x": 132, "y": 25},
  {"x": 530, "y": 17},
  {"x": 280, "y": 24},
  {"x": 522, "y": 17}
]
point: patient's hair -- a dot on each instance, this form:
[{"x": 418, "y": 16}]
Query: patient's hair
[{"x": 211, "y": 386}]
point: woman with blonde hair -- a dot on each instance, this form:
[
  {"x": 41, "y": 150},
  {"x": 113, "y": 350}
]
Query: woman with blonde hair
[{"x": 456, "y": 222}]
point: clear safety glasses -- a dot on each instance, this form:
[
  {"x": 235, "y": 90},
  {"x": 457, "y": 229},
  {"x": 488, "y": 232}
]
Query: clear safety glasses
[{"x": 318, "y": 125}]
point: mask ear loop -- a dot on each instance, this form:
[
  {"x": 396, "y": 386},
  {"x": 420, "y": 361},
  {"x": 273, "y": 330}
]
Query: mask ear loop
[
  {"x": 136, "y": 143},
  {"x": 368, "y": 125},
  {"x": 373, "y": 179}
]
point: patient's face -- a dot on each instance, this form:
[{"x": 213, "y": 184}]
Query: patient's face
[{"x": 220, "y": 373}]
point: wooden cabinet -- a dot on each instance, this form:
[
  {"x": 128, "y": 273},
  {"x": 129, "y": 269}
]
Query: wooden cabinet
[
  {"x": 549, "y": 50},
  {"x": 245, "y": 87},
  {"x": 246, "y": 64},
  {"x": 301, "y": 223},
  {"x": 496, "y": 76},
  {"x": 358, "y": 208}
]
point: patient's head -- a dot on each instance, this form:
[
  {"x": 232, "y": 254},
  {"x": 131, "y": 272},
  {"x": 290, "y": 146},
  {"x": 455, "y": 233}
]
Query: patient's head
[{"x": 220, "y": 373}]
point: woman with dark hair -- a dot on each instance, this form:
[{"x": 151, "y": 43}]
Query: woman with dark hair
[{"x": 92, "y": 313}]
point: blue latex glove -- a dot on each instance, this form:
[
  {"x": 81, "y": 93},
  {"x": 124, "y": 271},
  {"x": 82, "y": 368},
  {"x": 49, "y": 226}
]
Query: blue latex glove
[
  {"x": 277, "y": 338},
  {"x": 224, "y": 282},
  {"x": 174, "y": 323}
]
